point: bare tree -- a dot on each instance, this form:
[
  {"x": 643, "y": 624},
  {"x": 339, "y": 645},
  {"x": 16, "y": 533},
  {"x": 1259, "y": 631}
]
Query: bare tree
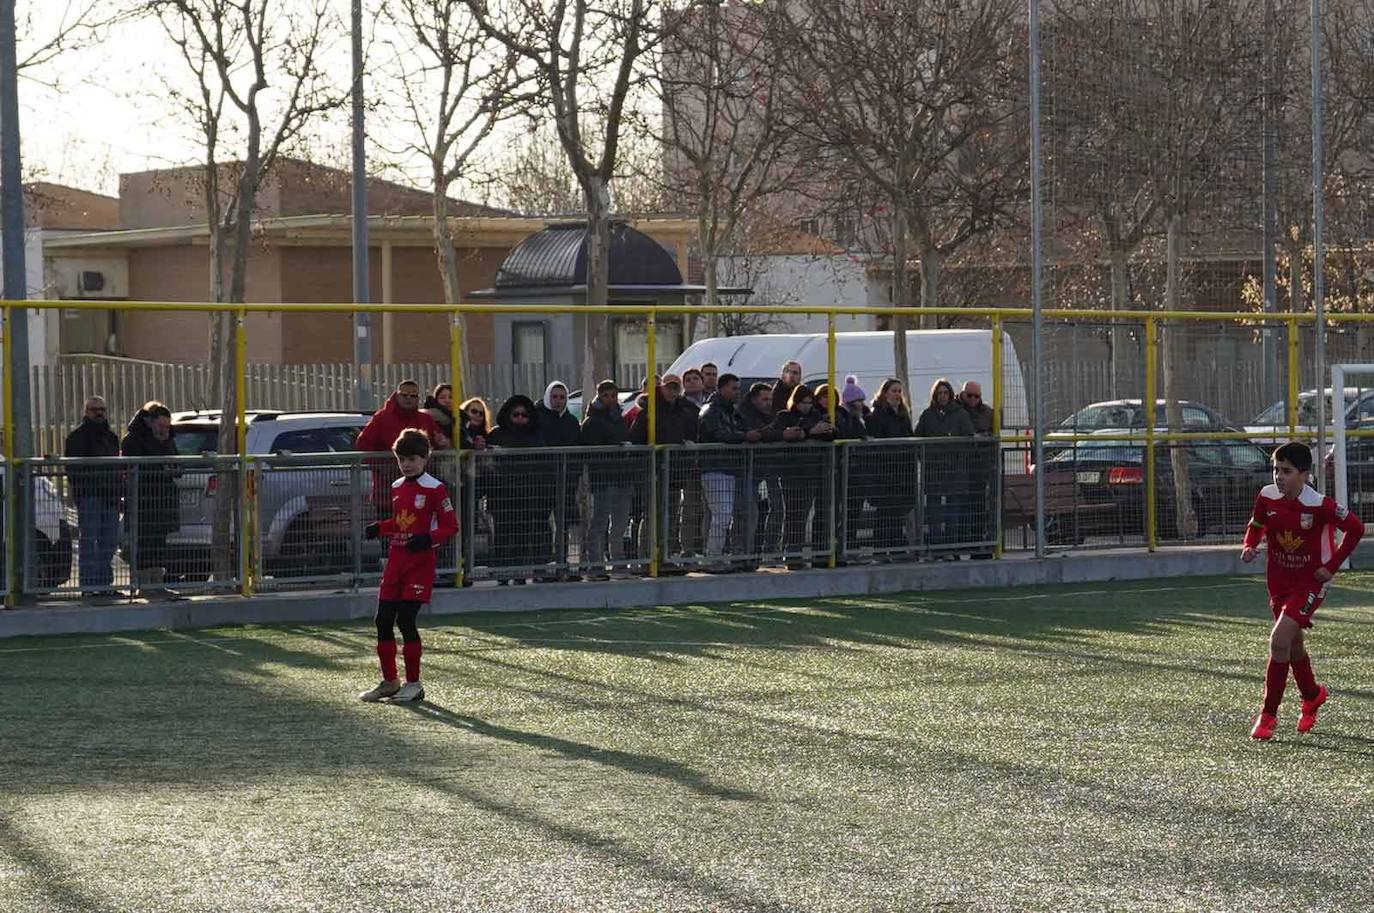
[
  {"x": 230, "y": 47},
  {"x": 723, "y": 131},
  {"x": 454, "y": 91},
  {"x": 915, "y": 100},
  {"x": 586, "y": 55},
  {"x": 77, "y": 25}
]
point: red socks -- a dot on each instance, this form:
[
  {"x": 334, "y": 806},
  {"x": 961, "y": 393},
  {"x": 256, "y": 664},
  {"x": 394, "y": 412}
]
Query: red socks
[
  {"x": 411, "y": 649},
  {"x": 1275, "y": 678},
  {"x": 386, "y": 653},
  {"x": 1303, "y": 676}
]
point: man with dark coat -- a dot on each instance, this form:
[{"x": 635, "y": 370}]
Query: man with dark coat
[
  {"x": 96, "y": 491},
  {"x": 675, "y": 424},
  {"x": 982, "y": 468},
  {"x": 612, "y": 480},
  {"x": 765, "y": 517},
  {"x": 560, "y": 429}
]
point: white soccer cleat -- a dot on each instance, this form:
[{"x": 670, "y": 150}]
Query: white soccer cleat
[
  {"x": 410, "y": 691},
  {"x": 383, "y": 689}
]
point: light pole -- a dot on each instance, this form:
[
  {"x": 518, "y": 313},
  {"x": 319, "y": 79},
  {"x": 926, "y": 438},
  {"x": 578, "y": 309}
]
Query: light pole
[
  {"x": 12, "y": 227},
  {"x": 362, "y": 330}
]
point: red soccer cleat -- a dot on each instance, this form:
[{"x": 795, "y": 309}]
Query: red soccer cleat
[
  {"x": 1264, "y": 726},
  {"x": 1308, "y": 718}
]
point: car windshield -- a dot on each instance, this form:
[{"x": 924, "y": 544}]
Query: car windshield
[
  {"x": 1104, "y": 452},
  {"x": 1359, "y": 405}
]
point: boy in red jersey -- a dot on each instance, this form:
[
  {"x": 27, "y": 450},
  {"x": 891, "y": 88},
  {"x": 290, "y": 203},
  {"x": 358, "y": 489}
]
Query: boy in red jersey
[
  {"x": 1300, "y": 526},
  {"x": 422, "y": 518}
]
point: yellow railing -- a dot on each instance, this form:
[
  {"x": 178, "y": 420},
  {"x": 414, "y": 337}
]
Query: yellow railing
[{"x": 996, "y": 317}]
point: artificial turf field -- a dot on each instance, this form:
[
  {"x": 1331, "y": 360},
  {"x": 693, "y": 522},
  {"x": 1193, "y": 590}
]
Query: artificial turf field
[{"x": 1068, "y": 748}]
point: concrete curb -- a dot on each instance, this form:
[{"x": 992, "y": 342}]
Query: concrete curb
[{"x": 871, "y": 580}]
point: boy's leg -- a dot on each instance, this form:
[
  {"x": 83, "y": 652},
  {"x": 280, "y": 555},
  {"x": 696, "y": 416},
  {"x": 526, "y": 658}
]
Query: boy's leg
[
  {"x": 386, "y": 637},
  {"x": 1303, "y": 675},
  {"x": 1280, "y": 654},
  {"x": 406, "y": 614}
]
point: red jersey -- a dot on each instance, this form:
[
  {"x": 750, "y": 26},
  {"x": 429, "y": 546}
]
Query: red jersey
[
  {"x": 1301, "y": 535},
  {"x": 419, "y": 505}
]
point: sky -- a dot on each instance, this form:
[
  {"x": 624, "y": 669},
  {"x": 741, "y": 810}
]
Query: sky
[{"x": 105, "y": 109}]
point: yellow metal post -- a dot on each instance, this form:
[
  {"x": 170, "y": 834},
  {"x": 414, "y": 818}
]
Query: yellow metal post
[
  {"x": 246, "y": 527},
  {"x": 455, "y": 373},
  {"x": 996, "y": 393},
  {"x": 833, "y": 406},
  {"x": 651, "y": 405},
  {"x": 12, "y": 548},
  {"x": 1150, "y": 397},
  {"x": 1293, "y": 376}
]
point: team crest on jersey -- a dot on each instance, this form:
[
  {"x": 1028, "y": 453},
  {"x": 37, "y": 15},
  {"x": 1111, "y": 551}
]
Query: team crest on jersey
[
  {"x": 419, "y": 501},
  {"x": 405, "y": 520},
  {"x": 1288, "y": 541},
  {"x": 1305, "y": 521}
]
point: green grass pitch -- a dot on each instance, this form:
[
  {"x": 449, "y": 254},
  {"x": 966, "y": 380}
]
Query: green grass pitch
[{"x": 1068, "y": 748}]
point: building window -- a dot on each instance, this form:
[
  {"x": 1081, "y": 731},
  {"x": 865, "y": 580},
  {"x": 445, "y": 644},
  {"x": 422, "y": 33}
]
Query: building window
[
  {"x": 632, "y": 347},
  {"x": 529, "y": 343}
]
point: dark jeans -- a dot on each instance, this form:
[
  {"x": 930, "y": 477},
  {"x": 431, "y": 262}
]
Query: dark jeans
[{"x": 98, "y": 522}]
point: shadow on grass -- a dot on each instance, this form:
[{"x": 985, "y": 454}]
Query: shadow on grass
[
  {"x": 50, "y": 874},
  {"x": 645, "y": 765}
]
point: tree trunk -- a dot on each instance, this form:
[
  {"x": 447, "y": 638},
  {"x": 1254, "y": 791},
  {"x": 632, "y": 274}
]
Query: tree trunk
[
  {"x": 1185, "y": 516},
  {"x": 448, "y": 268},
  {"x": 710, "y": 276},
  {"x": 901, "y": 370},
  {"x": 1118, "y": 337},
  {"x": 930, "y": 285},
  {"x": 597, "y": 358}
]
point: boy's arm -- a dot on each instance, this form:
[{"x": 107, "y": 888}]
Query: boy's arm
[
  {"x": 447, "y": 526},
  {"x": 1352, "y": 530},
  {"x": 1254, "y": 531}
]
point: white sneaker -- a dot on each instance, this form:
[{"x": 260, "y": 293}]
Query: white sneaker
[
  {"x": 410, "y": 691},
  {"x": 384, "y": 689}
]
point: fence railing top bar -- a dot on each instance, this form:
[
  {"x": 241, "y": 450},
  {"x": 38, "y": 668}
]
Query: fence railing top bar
[{"x": 675, "y": 309}]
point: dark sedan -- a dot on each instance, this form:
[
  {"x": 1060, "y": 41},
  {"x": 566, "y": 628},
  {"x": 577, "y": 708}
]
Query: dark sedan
[{"x": 1109, "y": 487}]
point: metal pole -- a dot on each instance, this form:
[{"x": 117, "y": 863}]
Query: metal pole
[
  {"x": 1037, "y": 265},
  {"x": 996, "y": 393},
  {"x": 1270, "y": 178},
  {"x": 651, "y": 408},
  {"x": 12, "y": 230},
  {"x": 1151, "y": 382},
  {"x": 1318, "y": 242},
  {"x": 362, "y": 341}
]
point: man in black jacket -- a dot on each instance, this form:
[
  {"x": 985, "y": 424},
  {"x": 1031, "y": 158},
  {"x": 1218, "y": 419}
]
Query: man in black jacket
[
  {"x": 612, "y": 479},
  {"x": 675, "y": 423},
  {"x": 765, "y": 515},
  {"x": 96, "y": 491},
  {"x": 723, "y": 473}
]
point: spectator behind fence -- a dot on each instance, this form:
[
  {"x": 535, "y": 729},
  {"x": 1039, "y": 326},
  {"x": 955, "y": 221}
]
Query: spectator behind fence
[
  {"x": 889, "y": 474},
  {"x": 854, "y": 399},
  {"x": 400, "y": 412},
  {"x": 693, "y": 387},
  {"x": 439, "y": 406},
  {"x": 945, "y": 475},
  {"x": 560, "y": 429},
  {"x": 847, "y": 495},
  {"x": 96, "y": 491},
  {"x": 721, "y": 471},
  {"x": 805, "y": 476},
  {"x": 675, "y": 423},
  {"x": 612, "y": 482},
  {"x": 709, "y": 379},
  {"x": 763, "y": 512},
  {"x": 520, "y": 489},
  {"x": 155, "y": 512},
  {"x": 982, "y": 469},
  {"x": 789, "y": 378},
  {"x": 476, "y": 419}
]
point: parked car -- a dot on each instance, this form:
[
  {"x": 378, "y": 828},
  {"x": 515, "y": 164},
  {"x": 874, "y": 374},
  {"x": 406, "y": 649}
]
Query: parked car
[
  {"x": 305, "y": 511},
  {"x": 1273, "y": 421},
  {"x": 1109, "y": 485},
  {"x": 1128, "y": 414},
  {"x": 53, "y": 520}
]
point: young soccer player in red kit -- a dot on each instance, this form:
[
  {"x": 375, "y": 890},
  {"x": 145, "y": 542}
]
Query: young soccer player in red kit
[
  {"x": 1300, "y": 526},
  {"x": 422, "y": 518}
]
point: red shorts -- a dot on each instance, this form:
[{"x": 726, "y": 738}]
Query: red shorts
[
  {"x": 1299, "y": 605},
  {"x": 409, "y": 576}
]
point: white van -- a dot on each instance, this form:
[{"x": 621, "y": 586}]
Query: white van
[{"x": 957, "y": 355}]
